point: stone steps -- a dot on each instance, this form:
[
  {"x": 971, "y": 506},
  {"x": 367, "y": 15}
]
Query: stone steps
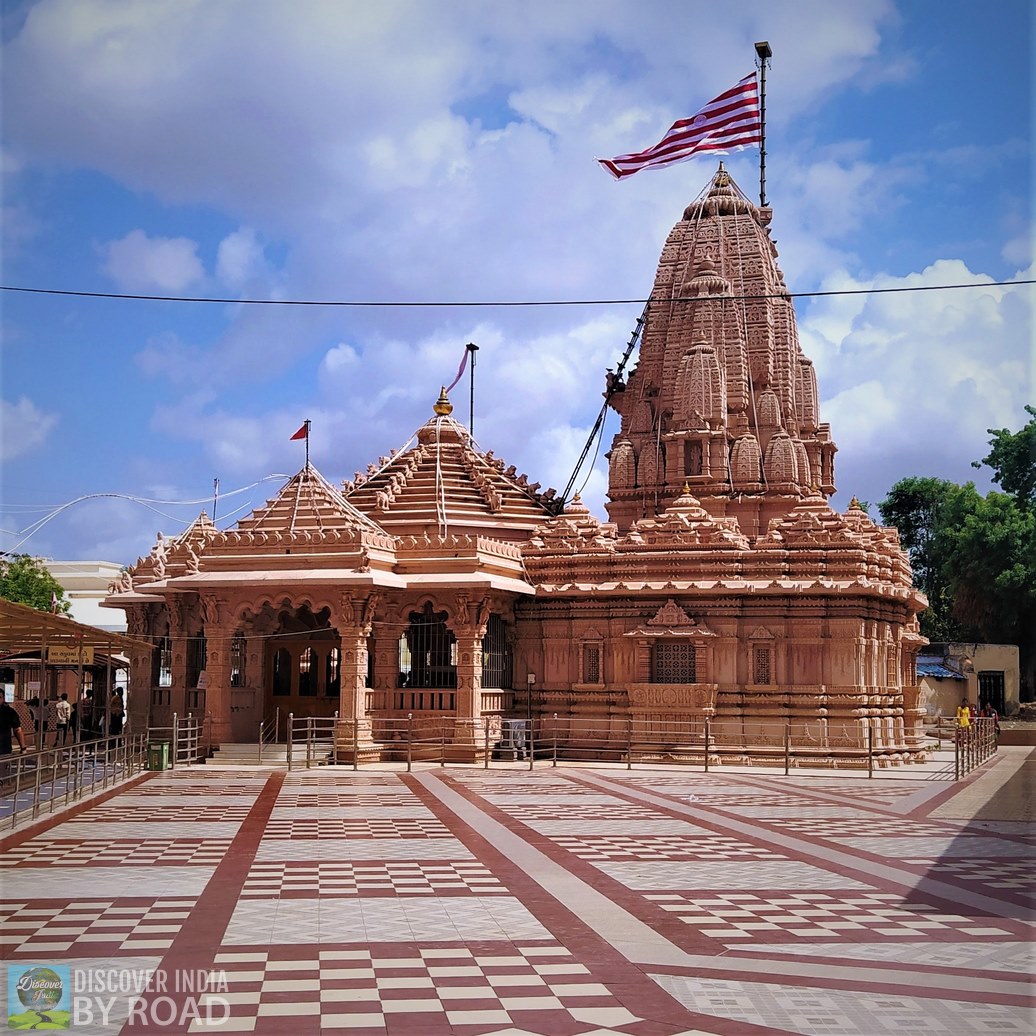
[{"x": 248, "y": 754}]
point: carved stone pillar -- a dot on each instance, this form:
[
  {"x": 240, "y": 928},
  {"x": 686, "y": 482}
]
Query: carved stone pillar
[
  {"x": 469, "y": 630},
  {"x": 353, "y": 618},
  {"x": 218, "y": 633},
  {"x": 176, "y": 608},
  {"x": 140, "y": 668}
]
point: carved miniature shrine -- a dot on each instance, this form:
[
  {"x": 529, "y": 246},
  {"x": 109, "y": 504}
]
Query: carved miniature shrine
[{"x": 723, "y": 610}]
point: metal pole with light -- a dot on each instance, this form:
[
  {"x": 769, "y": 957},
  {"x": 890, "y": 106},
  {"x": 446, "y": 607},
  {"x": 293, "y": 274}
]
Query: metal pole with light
[
  {"x": 472, "y": 349},
  {"x": 530, "y": 681},
  {"x": 765, "y": 54}
]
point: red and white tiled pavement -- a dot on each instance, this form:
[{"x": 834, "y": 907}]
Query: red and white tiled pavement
[{"x": 562, "y": 902}]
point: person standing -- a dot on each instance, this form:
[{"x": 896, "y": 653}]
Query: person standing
[
  {"x": 10, "y": 727},
  {"x": 63, "y": 713},
  {"x": 116, "y": 713},
  {"x": 963, "y": 722},
  {"x": 964, "y": 715}
]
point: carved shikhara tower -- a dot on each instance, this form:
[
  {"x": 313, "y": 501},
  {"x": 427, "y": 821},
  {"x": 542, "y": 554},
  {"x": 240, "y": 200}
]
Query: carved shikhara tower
[
  {"x": 724, "y": 612},
  {"x": 725, "y": 588},
  {"x": 722, "y": 400}
]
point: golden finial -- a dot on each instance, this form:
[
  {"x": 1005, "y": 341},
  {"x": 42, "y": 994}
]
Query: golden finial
[
  {"x": 854, "y": 504},
  {"x": 443, "y": 407},
  {"x": 686, "y": 489},
  {"x": 722, "y": 178}
]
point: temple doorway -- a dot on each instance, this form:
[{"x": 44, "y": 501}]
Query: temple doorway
[{"x": 302, "y": 665}]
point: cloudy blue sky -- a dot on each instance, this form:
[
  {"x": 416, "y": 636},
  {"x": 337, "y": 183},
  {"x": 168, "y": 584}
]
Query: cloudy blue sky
[{"x": 417, "y": 151}]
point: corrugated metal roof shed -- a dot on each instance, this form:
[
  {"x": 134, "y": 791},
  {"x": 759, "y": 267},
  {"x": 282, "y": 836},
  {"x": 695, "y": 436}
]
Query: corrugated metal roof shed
[{"x": 938, "y": 669}]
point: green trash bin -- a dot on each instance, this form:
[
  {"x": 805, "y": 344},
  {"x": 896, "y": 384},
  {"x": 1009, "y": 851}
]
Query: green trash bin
[{"x": 158, "y": 755}]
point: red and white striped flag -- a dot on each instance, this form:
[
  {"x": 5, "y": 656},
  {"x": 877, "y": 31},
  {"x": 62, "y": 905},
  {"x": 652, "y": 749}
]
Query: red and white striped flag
[{"x": 727, "y": 123}]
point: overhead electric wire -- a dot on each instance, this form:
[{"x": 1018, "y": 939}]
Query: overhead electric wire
[
  {"x": 30, "y": 530},
  {"x": 501, "y": 304}
]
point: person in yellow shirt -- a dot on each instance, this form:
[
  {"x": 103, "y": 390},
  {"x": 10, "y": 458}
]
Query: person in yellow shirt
[{"x": 964, "y": 715}]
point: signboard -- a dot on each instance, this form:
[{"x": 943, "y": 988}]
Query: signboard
[{"x": 69, "y": 655}]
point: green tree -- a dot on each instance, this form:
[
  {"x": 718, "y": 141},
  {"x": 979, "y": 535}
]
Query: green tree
[
  {"x": 920, "y": 508},
  {"x": 27, "y": 580},
  {"x": 1013, "y": 460},
  {"x": 974, "y": 556}
]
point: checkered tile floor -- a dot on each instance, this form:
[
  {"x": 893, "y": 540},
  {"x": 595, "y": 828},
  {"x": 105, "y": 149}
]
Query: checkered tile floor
[
  {"x": 817, "y": 915},
  {"x": 164, "y": 814},
  {"x": 556, "y": 903},
  {"x": 93, "y": 851},
  {"x": 41, "y": 928},
  {"x": 617, "y": 847},
  {"x": 289, "y": 879},
  {"x": 996, "y": 874},
  {"x": 534, "y": 988},
  {"x": 348, "y": 827}
]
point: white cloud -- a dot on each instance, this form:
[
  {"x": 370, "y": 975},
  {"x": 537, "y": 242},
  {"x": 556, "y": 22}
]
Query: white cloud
[
  {"x": 240, "y": 258},
  {"x": 24, "y": 426},
  {"x": 415, "y": 151},
  {"x": 142, "y": 264},
  {"x": 911, "y": 382}
]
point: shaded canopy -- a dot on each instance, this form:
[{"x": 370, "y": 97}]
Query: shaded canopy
[{"x": 24, "y": 630}]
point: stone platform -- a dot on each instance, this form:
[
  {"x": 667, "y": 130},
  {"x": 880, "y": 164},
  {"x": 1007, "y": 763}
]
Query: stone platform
[{"x": 563, "y": 902}]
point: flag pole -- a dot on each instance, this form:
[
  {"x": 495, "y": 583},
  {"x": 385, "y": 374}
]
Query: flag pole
[
  {"x": 215, "y": 496},
  {"x": 472, "y": 349},
  {"x": 308, "y": 423},
  {"x": 765, "y": 53}
]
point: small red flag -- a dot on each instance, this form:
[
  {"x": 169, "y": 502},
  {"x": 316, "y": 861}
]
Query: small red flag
[{"x": 302, "y": 433}]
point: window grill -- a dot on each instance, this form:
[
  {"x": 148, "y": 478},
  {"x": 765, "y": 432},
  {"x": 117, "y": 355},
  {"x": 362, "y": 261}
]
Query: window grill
[
  {"x": 197, "y": 655},
  {"x": 674, "y": 663},
  {"x": 992, "y": 690},
  {"x": 591, "y": 663},
  {"x": 307, "y": 674},
  {"x": 282, "y": 673},
  {"x": 428, "y": 651},
  {"x": 332, "y": 673},
  {"x": 761, "y": 668},
  {"x": 497, "y": 663},
  {"x": 163, "y": 676},
  {"x": 237, "y": 660}
]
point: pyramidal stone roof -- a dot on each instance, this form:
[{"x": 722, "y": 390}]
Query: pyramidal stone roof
[
  {"x": 442, "y": 485},
  {"x": 308, "y": 526},
  {"x": 308, "y": 503}
]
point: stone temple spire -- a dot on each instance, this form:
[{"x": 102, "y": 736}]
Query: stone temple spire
[{"x": 722, "y": 398}]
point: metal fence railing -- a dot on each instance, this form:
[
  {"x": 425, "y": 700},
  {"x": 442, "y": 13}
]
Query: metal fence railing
[
  {"x": 270, "y": 732},
  {"x": 186, "y": 737},
  {"x": 311, "y": 739},
  {"x": 621, "y": 739},
  {"x": 973, "y": 745},
  {"x": 44, "y": 781}
]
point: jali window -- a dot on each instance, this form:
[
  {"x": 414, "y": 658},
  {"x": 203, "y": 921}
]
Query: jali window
[
  {"x": 591, "y": 663},
  {"x": 674, "y": 662},
  {"x": 762, "y": 668}
]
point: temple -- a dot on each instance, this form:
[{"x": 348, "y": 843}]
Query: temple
[{"x": 723, "y": 609}]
